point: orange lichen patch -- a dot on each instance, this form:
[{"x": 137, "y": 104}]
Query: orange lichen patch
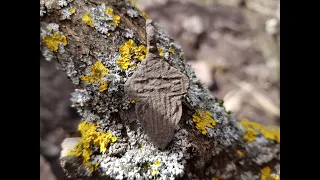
[
  {"x": 252, "y": 129},
  {"x": 214, "y": 178},
  {"x": 116, "y": 18},
  {"x": 239, "y": 153},
  {"x": 53, "y": 41},
  {"x": 90, "y": 137},
  {"x": 128, "y": 51},
  {"x": 203, "y": 119},
  {"x": 87, "y": 19},
  {"x": 98, "y": 71}
]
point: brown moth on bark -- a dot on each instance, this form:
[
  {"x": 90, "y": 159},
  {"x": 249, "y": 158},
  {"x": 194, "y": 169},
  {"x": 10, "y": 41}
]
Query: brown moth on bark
[{"x": 158, "y": 89}]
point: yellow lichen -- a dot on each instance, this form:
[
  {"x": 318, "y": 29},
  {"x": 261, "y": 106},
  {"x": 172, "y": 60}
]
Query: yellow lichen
[
  {"x": 72, "y": 10},
  {"x": 240, "y": 153},
  {"x": 265, "y": 174},
  {"x": 87, "y": 19},
  {"x": 116, "y": 18},
  {"x": 53, "y": 41},
  {"x": 214, "y": 178},
  {"x": 140, "y": 52},
  {"x": 274, "y": 177},
  {"x": 133, "y": 66},
  {"x": 90, "y": 137},
  {"x": 124, "y": 62},
  {"x": 132, "y": 100},
  {"x": 154, "y": 172},
  {"x": 157, "y": 163},
  {"x": 171, "y": 50},
  {"x": 98, "y": 71},
  {"x": 109, "y": 11},
  {"x": 203, "y": 119},
  {"x": 129, "y": 50},
  {"x": 161, "y": 53},
  {"x": 103, "y": 86},
  {"x": 250, "y": 135},
  {"x": 251, "y": 128}
]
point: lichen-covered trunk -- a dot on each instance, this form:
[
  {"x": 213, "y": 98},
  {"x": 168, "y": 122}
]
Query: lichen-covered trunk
[{"x": 100, "y": 45}]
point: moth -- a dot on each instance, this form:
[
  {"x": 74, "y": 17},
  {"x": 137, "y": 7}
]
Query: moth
[{"x": 158, "y": 90}]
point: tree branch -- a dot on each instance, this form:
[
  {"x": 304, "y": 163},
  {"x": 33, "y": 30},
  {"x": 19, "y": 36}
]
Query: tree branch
[{"x": 100, "y": 44}]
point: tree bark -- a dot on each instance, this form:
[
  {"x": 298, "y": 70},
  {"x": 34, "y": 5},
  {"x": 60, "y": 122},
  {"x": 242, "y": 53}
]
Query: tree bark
[{"x": 208, "y": 142}]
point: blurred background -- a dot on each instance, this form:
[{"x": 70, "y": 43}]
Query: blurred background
[{"x": 234, "y": 47}]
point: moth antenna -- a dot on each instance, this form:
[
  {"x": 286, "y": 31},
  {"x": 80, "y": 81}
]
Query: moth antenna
[{"x": 151, "y": 39}]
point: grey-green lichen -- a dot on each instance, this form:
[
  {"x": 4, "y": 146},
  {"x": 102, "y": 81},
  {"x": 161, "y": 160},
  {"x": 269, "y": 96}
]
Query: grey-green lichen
[
  {"x": 133, "y": 13},
  {"x": 42, "y": 11},
  {"x": 142, "y": 160},
  {"x": 63, "y": 3},
  {"x": 128, "y": 33},
  {"x": 249, "y": 176},
  {"x": 102, "y": 18},
  {"x": 67, "y": 12},
  {"x": 263, "y": 150}
]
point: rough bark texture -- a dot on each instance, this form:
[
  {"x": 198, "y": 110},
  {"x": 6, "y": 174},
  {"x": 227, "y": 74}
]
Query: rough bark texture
[{"x": 93, "y": 48}]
